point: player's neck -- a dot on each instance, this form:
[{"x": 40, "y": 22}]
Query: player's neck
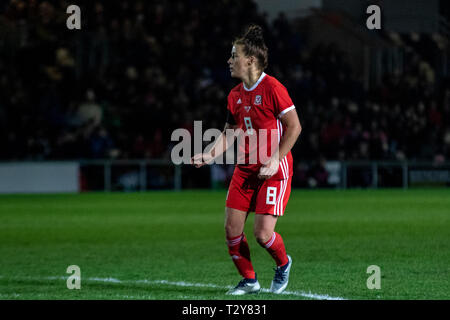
[{"x": 251, "y": 78}]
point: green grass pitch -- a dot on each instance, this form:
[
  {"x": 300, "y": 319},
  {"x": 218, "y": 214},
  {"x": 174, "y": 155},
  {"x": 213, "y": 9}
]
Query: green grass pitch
[{"x": 170, "y": 245}]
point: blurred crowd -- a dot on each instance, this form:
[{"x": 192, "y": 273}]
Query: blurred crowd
[{"x": 137, "y": 70}]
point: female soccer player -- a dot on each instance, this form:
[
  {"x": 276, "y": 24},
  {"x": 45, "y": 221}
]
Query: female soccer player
[{"x": 258, "y": 103}]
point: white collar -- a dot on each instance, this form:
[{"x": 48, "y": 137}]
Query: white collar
[{"x": 256, "y": 84}]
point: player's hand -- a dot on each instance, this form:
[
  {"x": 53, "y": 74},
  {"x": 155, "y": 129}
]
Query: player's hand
[
  {"x": 268, "y": 169},
  {"x": 199, "y": 160}
]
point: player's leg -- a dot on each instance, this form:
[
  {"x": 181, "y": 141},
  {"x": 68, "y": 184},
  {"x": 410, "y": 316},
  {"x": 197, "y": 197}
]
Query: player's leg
[
  {"x": 264, "y": 230},
  {"x": 237, "y": 242},
  {"x": 238, "y": 205},
  {"x": 239, "y": 251},
  {"x": 271, "y": 203}
]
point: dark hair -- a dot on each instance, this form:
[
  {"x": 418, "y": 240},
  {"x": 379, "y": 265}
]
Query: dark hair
[{"x": 253, "y": 42}]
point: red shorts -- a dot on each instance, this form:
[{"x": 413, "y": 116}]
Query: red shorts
[{"x": 250, "y": 194}]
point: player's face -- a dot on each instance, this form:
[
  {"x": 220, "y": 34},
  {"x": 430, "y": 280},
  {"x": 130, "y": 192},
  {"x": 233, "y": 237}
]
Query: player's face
[{"x": 238, "y": 62}]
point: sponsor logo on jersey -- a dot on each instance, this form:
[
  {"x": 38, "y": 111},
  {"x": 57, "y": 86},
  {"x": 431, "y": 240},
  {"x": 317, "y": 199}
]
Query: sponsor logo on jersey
[
  {"x": 247, "y": 108},
  {"x": 257, "y": 99},
  {"x": 239, "y": 101}
]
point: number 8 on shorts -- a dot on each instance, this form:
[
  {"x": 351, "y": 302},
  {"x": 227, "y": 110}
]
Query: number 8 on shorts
[{"x": 271, "y": 195}]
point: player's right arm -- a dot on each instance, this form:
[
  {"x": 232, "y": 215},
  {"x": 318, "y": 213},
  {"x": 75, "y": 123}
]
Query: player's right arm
[{"x": 222, "y": 143}]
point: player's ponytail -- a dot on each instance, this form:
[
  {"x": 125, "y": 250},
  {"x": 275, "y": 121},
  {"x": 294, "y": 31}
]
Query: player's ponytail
[
  {"x": 253, "y": 45},
  {"x": 254, "y": 35}
]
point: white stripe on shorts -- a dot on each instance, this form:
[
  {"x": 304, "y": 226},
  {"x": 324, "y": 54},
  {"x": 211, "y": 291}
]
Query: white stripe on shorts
[
  {"x": 285, "y": 185},
  {"x": 279, "y": 205}
]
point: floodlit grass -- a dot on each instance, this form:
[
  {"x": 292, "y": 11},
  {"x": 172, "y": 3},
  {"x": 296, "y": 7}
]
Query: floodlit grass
[{"x": 120, "y": 239}]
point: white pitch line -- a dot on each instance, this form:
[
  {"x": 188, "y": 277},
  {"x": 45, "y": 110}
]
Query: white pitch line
[
  {"x": 202, "y": 285},
  {"x": 209, "y": 285},
  {"x": 8, "y": 295}
]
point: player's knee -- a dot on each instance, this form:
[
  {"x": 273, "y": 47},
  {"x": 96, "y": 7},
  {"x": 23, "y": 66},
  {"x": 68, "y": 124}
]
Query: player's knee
[
  {"x": 231, "y": 230},
  {"x": 228, "y": 230},
  {"x": 262, "y": 236}
]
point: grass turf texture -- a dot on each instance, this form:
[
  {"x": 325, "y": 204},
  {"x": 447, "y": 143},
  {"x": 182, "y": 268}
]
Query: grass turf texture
[{"x": 332, "y": 236}]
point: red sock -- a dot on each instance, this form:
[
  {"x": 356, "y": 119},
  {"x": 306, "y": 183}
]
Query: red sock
[
  {"x": 240, "y": 253},
  {"x": 275, "y": 246}
]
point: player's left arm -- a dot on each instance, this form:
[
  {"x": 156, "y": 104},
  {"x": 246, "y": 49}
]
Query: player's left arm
[{"x": 293, "y": 128}]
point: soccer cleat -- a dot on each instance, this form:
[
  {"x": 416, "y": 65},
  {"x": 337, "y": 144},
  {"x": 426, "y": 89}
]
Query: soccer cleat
[
  {"x": 281, "y": 278},
  {"x": 245, "y": 286}
]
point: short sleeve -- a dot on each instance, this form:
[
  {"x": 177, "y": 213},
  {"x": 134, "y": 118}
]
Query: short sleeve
[{"x": 281, "y": 100}]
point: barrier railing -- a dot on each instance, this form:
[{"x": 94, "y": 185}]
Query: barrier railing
[
  {"x": 342, "y": 174},
  {"x": 137, "y": 173},
  {"x": 409, "y": 173},
  {"x": 145, "y": 174}
]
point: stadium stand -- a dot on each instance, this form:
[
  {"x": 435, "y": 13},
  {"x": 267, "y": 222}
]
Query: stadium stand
[{"x": 138, "y": 70}]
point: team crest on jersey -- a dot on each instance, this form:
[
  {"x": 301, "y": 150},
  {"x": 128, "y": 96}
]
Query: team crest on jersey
[
  {"x": 257, "y": 99},
  {"x": 247, "y": 108},
  {"x": 239, "y": 101}
]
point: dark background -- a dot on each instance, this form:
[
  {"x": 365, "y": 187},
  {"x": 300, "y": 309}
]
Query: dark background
[{"x": 137, "y": 70}]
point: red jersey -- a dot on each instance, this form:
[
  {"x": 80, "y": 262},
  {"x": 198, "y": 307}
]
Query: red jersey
[{"x": 261, "y": 107}]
